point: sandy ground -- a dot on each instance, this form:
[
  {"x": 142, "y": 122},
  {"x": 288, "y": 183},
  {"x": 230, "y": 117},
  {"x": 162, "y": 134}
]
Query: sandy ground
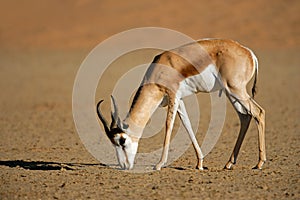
[{"x": 43, "y": 43}]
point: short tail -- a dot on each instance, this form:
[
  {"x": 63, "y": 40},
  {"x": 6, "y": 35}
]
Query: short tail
[{"x": 254, "y": 88}]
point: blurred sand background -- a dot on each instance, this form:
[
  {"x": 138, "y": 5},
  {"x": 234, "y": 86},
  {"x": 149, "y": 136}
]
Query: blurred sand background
[{"x": 43, "y": 43}]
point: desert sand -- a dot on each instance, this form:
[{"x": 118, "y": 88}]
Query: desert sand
[{"x": 42, "y": 45}]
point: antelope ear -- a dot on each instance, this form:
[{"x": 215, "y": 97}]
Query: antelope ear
[{"x": 123, "y": 126}]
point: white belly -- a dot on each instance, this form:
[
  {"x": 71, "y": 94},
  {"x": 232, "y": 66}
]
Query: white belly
[{"x": 207, "y": 81}]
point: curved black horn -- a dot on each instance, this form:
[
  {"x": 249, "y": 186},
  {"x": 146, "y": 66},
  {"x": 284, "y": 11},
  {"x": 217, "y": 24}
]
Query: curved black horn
[
  {"x": 101, "y": 117},
  {"x": 115, "y": 114}
]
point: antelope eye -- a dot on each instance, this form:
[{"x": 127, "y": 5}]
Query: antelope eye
[{"x": 122, "y": 141}]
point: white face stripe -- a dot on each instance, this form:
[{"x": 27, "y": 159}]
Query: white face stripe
[
  {"x": 122, "y": 158},
  {"x": 126, "y": 152},
  {"x": 131, "y": 151}
]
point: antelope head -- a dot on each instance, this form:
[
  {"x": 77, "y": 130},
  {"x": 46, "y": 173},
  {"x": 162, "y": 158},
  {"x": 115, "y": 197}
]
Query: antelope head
[{"x": 125, "y": 148}]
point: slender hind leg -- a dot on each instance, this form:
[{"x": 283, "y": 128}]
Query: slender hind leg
[
  {"x": 187, "y": 124},
  {"x": 245, "y": 121},
  {"x": 172, "y": 110},
  {"x": 258, "y": 114},
  {"x": 247, "y": 108}
]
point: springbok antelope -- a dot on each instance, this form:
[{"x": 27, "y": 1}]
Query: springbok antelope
[{"x": 204, "y": 66}]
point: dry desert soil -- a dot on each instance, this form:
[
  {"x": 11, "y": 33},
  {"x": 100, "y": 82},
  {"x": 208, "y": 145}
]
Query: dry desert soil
[{"x": 42, "y": 45}]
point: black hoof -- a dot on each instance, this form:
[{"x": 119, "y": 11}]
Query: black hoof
[
  {"x": 228, "y": 166},
  {"x": 256, "y": 168},
  {"x": 203, "y": 168}
]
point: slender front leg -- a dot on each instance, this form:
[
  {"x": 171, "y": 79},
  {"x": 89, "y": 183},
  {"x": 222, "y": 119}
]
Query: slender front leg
[
  {"x": 187, "y": 124},
  {"x": 172, "y": 109}
]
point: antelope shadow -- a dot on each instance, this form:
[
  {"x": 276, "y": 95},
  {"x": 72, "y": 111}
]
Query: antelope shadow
[{"x": 45, "y": 165}]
